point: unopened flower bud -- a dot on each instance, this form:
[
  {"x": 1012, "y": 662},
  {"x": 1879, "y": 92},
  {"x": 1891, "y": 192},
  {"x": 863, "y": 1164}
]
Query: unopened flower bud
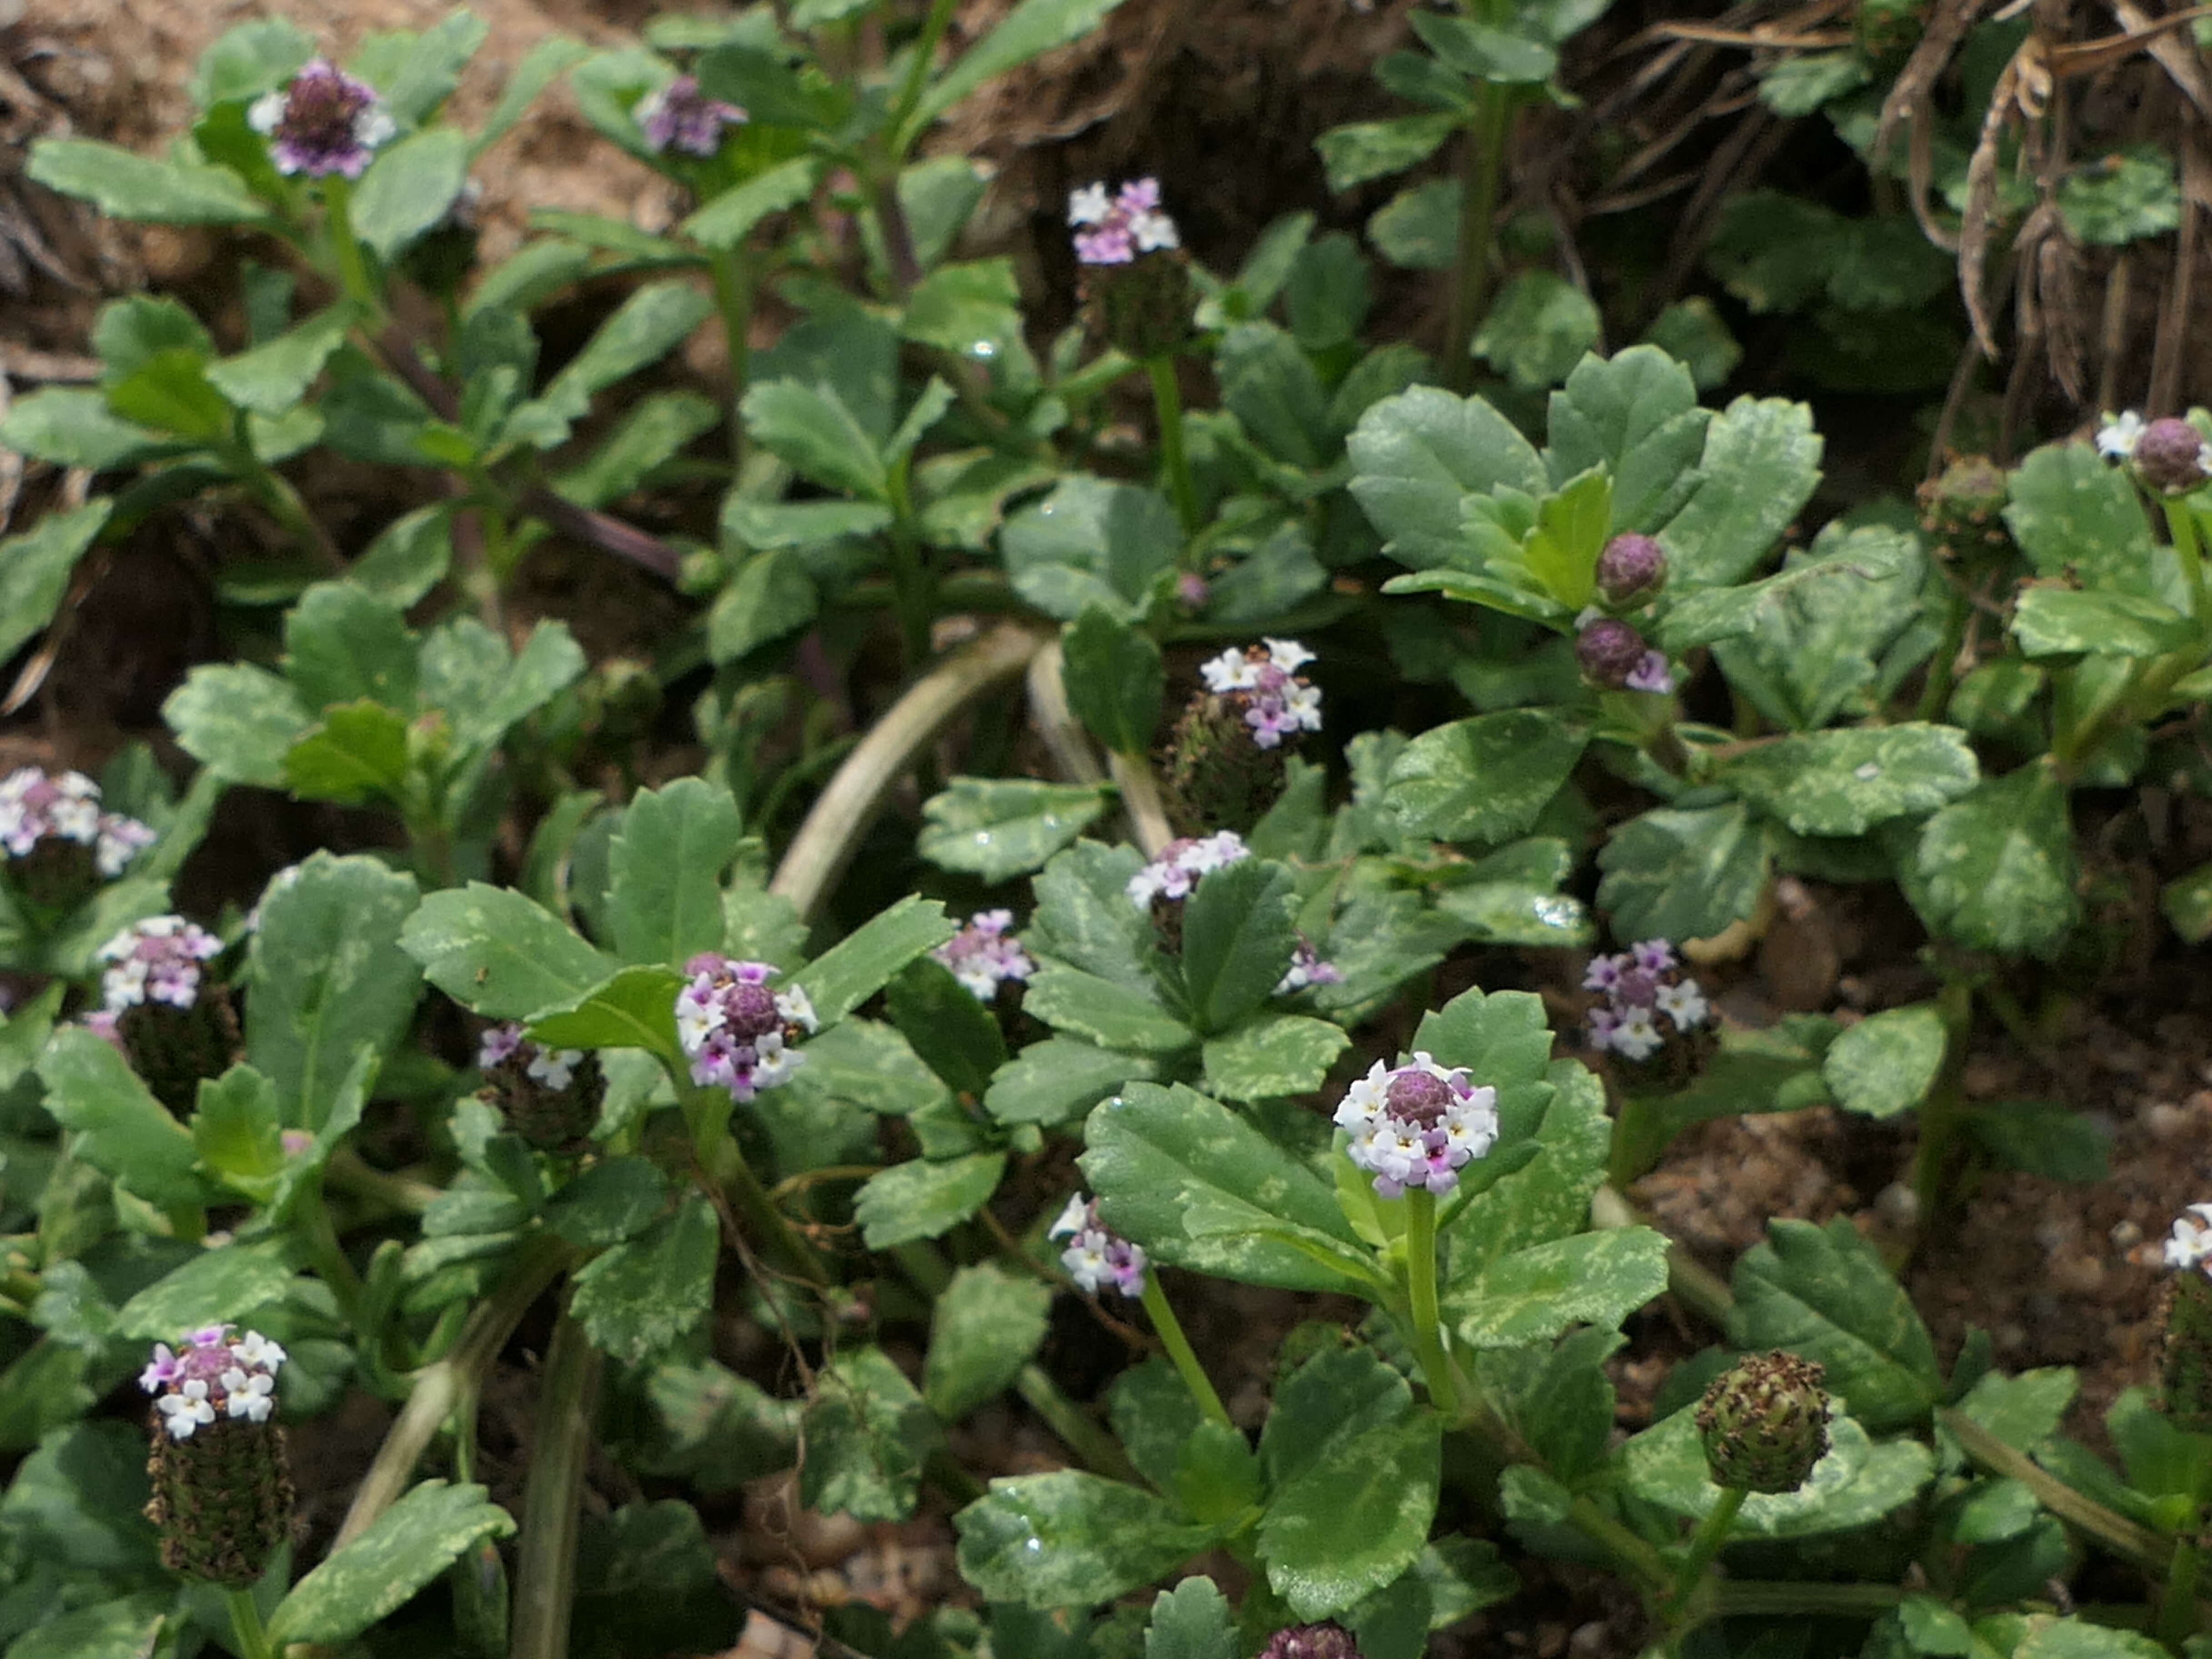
[
  {"x": 223, "y": 1485},
  {"x": 1609, "y": 651},
  {"x": 1327, "y": 1640},
  {"x": 549, "y": 1096},
  {"x": 2172, "y": 458},
  {"x": 1765, "y": 1423},
  {"x": 1632, "y": 569}
]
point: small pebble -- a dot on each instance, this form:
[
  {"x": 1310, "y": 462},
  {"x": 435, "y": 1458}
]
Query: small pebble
[
  {"x": 2126, "y": 1235},
  {"x": 2166, "y": 1121}
]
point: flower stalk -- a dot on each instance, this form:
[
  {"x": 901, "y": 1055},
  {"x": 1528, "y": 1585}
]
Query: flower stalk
[
  {"x": 245, "y": 1624},
  {"x": 560, "y": 1444},
  {"x": 1422, "y": 1303},
  {"x": 1174, "y": 457},
  {"x": 1169, "y": 1330}
]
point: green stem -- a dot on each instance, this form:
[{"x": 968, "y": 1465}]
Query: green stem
[
  {"x": 2176, "y": 1605},
  {"x": 1421, "y": 1299},
  {"x": 1098, "y": 1450},
  {"x": 1942, "y": 1111},
  {"x": 733, "y": 299},
  {"x": 1170, "y": 1329},
  {"x": 723, "y": 1161},
  {"x": 246, "y": 1625},
  {"x": 1755, "y": 1600},
  {"x": 1704, "y": 1544},
  {"x": 319, "y": 1235},
  {"x": 910, "y": 583},
  {"x": 1637, "y": 1558},
  {"x": 1942, "y": 667},
  {"x": 1167, "y": 405},
  {"x": 2181, "y": 524},
  {"x": 917, "y": 73},
  {"x": 2125, "y": 1537},
  {"x": 345, "y": 248},
  {"x": 561, "y": 1445},
  {"x": 1482, "y": 167}
]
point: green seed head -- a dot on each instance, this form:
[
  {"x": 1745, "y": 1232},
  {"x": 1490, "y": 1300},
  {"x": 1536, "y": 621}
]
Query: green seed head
[
  {"x": 1143, "y": 306},
  {"x": 1765, "y": 1423}
]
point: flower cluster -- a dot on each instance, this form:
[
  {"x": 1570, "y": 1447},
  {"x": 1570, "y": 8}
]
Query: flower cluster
[
  {"x": 1327, "y": 1640},
  {"x": 1095, "y": 1257},
  {"x": 325, "y": 121},
  {"x": 1307, "y": 969},
  {"x": 984, "y": 955},
  {"x": 2168, "y": 455},
  {"x": 1262, "y": 680},
  {"x": 212, "y": 1376},
  {"x": 736, "y": 1031},
  {"x": 1118, "y": 228},
  {"x": 1177, "y": 871},
  {"x": 156, "y": 960},
  {"x": 1640, "y": 984},
  {"x": 1613, "y": 654},
  {"x": 1417, "y": 1124},
  {"x": 554, "y": 1067},
  {"x": 678, "y": 116},
  {"x": 37, "y": 806}
]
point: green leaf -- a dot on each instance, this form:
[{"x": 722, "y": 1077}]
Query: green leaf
[
  {"x": 1678, "y": 874},
  {"x": 1484, "y": 779},
  {"x": 655, "y": 320},
  {"x": 653, "y": 431},
  {"x": 1191, "y": 1621},
  {"x": 2044, "y": 1138},
  {"x": 1694, "y": 334},
  {"x": 494, "y": 950},
  {"x": 539, "y": 67},
  {"x": 1272, "y": 1055},
  {"x": 127, "y": 1628},
  {"x": 2127, "y": 196},
  {"x": 1068, "y": 1539},
  {"x": 375, "y": 1575},
  {"x": 117, "y": 1125},
  {"x": 960, "y": 308},
  {"x": 1854, "y": 1486},
  {"x": 867, "y": 1432},
  {"x": 2186, "y": 901},
  {"x": 213, "y": 1287},
  {"x": 1033, "y": 28},
  {"x": 1887, "y": 1063},
  {"x": 1760, "y": 465},
  {"x": 327, "y": 974},
  {"x": 1824, "y": 1294},
  {"x": 637, "y": 1298},
  {"x": 1060, "y": 1078},
  {"x": 609, "y": 1202},
  {"x": 1533, "y": 1295},
  {"x": 125, "y": 185},
  {"x": 1201, "y": 1187},
  {"x": 1416, "y": 229},
  {"x": 408, "y": 188},
  {"x": 984, "y": 1327},
  {"x": 170, "y": 393},
  {"x": 1844, "y": 782},
  {"x": 342, "y": 643},
  {"x": 237, "y": 1131},
  {"x": 1417, "y": 456},
  {"x": 772, "y": 596},
  {"x": 429, "y": 64},
  {"x": 247, "y": 59},
  {"x": 1114, "y": 679},
  {"x": 1635, "y": 414},
  {"x": 35, "y": 568},
  {"x": 954, "y": 1033},
  {"x": 356, "y": 753},
  {"x": 1111, "y": 1015},
  {"x": 72, "y": 426},
  {"x": 810, "y": 426},
  {"x": 1088, "y": 543},
  {"x": 1361, "y": 151},
  {"x": 1239, "y": 937},
  {"x": 998, "y": 828},
  {"x": 2071, "y": 512},
  {"x": 2054, "y": 622},
  {"x": 272, "y": 377},
  {"x": 1538, "y": 329},
  {"x": 1996, "y": 871},
  {"x": 858, "y": 966},
  {"x": 1484, "y": 54},
  {"x": 665, "y": 868},
  {"x": 1353, "y": 1469},
  {"x": 923, "y": 1199},
  {"x": 729, "y": 217},
  {"x": 634, "y": 1009},
  {"x": 1562, "y": 550}
]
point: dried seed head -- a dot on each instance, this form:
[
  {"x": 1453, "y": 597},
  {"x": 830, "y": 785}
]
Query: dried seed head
[{"x": 1765, "y": 1423}]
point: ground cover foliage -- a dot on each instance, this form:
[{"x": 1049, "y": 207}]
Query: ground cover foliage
[{"x": 1254, "y": 701}]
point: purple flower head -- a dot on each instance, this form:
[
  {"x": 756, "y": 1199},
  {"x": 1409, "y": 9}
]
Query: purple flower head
[
  {"x": 554, "y": 1067},
  {"x": 737, "y": 1032},
  {"x": 1644, "y": 985},
  {"x": 211, "y": 1376},
  {"x": 1417, "y": 1124},
  {"x": 1307, "y": 969},
  {"x": 1181, "y": 864},
  {"x": 1263, "y": 680},
  {"x": 984, "y": 955},
  {"x": 1651, "y": 674},
  {"x": 36, "y": 806},
  {"x": 1609, "y": 651},
  {"x": 1631, "y": 569},
  {"x": 156, "y": 960},
  {"x": 2172, "y": 458},
  {"x": 1095, "y": 1257},
  {"x": 1113, "y": 230},
  {"x": 324, "y": 122},
  {"x": 678, "y": 116},
  {"x": 1327, "y": 1640}
]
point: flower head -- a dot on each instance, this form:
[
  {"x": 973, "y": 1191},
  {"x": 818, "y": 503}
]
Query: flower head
[
  {"x": 1765, "y": 1423},
  {"x": 1642, "y": 986},
  {"x": 1417, "y": 1124},
  {"x": 736, "y": 1030},
  {"x": 222, "y": 1489},
  {"x": 63, "y": 810},
  {"x": 1327, "y": 1640},
  {"x": 156, "y": 960},
  {"x": 984, "y": 955},
  {"x": 1631, "y": 570},
  {"x": 211, "y": 1378},
  {"x": 324, "y": 122},
  {"x": 554, "y": 1067},
  {"x": 1307, "y": 969},
  {"x": 1263, "y": 683},
  {"x": 550, "y": 1097},
  {"x": 1095, "y": 1257},
  {"x": 1113, "y": 231},
  {"x": 2172, "y": 458},
  {"x": 1181, "y": 864},
  {"x": 678, "y": 116}
]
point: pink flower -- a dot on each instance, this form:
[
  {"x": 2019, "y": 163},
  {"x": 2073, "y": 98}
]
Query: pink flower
[
  {"x": 679, "y": 116},
  {"x": 324, "y": 122},
  {"x": 1114, "y": 231}
]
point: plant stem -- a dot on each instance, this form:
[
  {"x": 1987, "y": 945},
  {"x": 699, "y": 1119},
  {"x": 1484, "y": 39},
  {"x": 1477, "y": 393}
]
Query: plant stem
[
  {"x": 1170, "y": 1329},
  {"x": 1704, "y": 1544},
  {"x": 1167, "y": 405},
  {"x": 437, "y": 1387},
  {"x": 319, "y": 1235},
  {"x": 1943, "y": 1109},
  {"x": 1140, "y": 800},
  {"x": 1640, "y": 1135},
  {"x": 1482, "y": 168},
  {"x": 917, "y": 74},
  {"x": 1942, "y": 667},
  {"x": 733, "y": 297},
  {"x": 1421, "y": 1298},
  {"x": 910, "y": 584},
  {"x": 2138, "y": 1543},
  {"x": 345, "y": 248},
  {"x": 2181, "y": 525},
  {"x": 833, "y": 830},
  {"x": 2176, "y": 1605},
  {"x": 1638, "y": 1559},
  {"x": 1786, "y": 1600},
  {"x": 724, "y": 1162},
  {"x": 560, "y": 1444},
  {"x": 246, "y": 1625},
  {"x": 1093, "y": 1447}
]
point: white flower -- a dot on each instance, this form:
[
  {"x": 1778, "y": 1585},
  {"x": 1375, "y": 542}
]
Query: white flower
[
  {"x": 1089, "y": 205},
  {"x": 554, "y": 1067},
  {"x": 185, "y": 1409},
  {"x": 1683, "y": 1003},
  {"x": 1077, "y": 1216},
  {"x": 1637, "y": 1037},
  {"x": 797, "y": 1009},
  {"x": 1232, "y": 671},
  {"x": 249, "y": 1396},
  {"x": 2117, "y": 438},
  {"x": 2191, "y": 1244},
  {"x": 1288, "y": 655},
  {"x": 256, "y": 1351}
]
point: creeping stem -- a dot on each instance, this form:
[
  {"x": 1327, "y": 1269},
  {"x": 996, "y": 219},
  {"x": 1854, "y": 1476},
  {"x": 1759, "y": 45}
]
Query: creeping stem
[
  {"x": 1421, "y": 1295},
  {"x": 1178, "y": 1346}
]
